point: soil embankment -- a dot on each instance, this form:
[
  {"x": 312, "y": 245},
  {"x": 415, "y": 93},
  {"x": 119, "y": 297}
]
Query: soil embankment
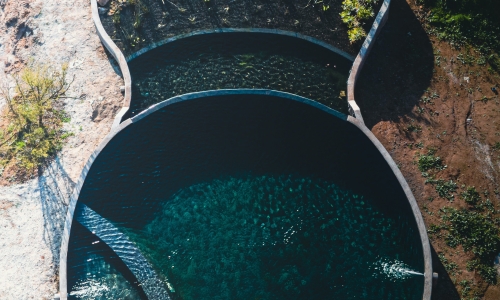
[{"x": 418, "y": 93}]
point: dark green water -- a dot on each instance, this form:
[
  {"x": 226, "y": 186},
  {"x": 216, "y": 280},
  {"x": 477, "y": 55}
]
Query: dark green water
[
  {"x": 251, "y": 197},
  {"x": 243, "y": 60},
  {"x": 97, "y": 272},
  {"x": 269, "y": 237}
]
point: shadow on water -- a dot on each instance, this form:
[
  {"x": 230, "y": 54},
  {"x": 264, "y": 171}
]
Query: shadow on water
[
  {"x": 445, "y": 288},
  {"x": 398, "y": 69},
  {"x": 55, "y": 187}
]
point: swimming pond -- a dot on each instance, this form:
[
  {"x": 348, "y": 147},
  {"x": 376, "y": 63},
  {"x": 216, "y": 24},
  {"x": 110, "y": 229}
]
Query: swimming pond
[{"x": 253, "y": 196}]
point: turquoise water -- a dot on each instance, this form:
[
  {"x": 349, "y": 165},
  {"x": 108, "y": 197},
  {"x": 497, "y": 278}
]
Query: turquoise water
[
  {"x": 275, "y": 237},
  {"x": 100, "y": 274}
]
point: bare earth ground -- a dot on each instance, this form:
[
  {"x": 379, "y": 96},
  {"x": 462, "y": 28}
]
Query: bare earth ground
[
  {"x": 31, "y": 213},
  {"x": 402, "y": 69},
  {"x": 461, "y": 121}
]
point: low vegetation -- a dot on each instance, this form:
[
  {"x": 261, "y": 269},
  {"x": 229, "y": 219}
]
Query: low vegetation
[
  {"x": 475, "y": 228},
  {"x": 471, "y": 196},
  {"x": 34, "y": 117},
  {"x": 354, "y": 14},
  {"x": 477, "y": 233},
  {"x": 427, "y": 162},
  {"x": 468, "y": 22},
  {"x": 139, "y": 10}
]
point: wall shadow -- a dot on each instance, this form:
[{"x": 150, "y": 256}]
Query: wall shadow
[
  {"x": 55, "y": 187},
  {"x": 445, "y": 289},
  {"x": 398, "y": 69}
]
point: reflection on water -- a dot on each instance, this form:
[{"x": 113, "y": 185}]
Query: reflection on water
[{"x": 102, "y": 282}]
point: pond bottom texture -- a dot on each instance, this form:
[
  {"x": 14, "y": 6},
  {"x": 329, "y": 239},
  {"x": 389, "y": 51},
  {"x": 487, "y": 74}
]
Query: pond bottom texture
[{"x": 275, "y": 237}]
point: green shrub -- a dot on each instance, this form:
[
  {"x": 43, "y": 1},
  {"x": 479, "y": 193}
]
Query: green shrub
[
  {"x": 488, "y": 272},
  {"x": 471, "y": 196},
  {"x": 474, "y": 231},
  {"x": 429, "y": 162},
  {"x": 477, "y": 233},
  {"x": 35, "y": 114},
  {"x": 445, "y": 189},
  {"x": 354, "y": 12}
]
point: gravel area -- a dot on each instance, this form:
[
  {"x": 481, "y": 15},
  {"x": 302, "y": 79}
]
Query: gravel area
[{"x": 32, "y": 212}]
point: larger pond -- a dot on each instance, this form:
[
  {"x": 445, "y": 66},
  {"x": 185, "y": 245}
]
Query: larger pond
[
  {"x": 248, "y": 196},
  {"x": 240, "y": 60}
]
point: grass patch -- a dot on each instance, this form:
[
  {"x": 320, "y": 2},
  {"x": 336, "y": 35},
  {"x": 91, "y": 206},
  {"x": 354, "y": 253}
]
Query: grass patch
[
  {"x": 468, "y": 22},
  {"x": 35, "y": 117},
  {"x": 477, "y": 233},
  {"x": 427, "y": 162},
  {"x": 445, "y": 189},
  {"x": 471, "y": 196}
]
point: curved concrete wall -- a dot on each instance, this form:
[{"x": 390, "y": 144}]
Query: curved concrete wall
[
  {"x": 351, "y": 83},
  {"x": 246, "y": 30},
  {"x": 360, "y": 60},
  {"x": 357, "y": 121},
  {"x": 152, "y": 109},
  {"x": 118, "y": 55},
  {"x": 411, "y": 199}
]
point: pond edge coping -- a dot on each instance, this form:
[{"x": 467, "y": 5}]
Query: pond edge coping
[
  {"x": 241, "y": 30},
  {"x": 114, "y": 131},
  {"x": 360, "y": 60}
]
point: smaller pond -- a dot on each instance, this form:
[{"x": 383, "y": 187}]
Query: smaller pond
[{"x": 239, "y": 60}]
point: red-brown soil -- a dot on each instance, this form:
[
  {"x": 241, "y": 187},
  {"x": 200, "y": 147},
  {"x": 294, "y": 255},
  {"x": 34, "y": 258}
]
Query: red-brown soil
[{"x": 415, "y": 92}]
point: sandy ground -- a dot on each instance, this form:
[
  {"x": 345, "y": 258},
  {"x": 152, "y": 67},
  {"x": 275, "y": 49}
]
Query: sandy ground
[{"x": 32, "y": 213}]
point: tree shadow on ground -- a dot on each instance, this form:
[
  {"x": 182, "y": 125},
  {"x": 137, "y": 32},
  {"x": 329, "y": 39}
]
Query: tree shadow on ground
[
  {"x": 398, "y": 69},
  {"x": 55, "y": 187},
  {"x": 445, "y": 289}
]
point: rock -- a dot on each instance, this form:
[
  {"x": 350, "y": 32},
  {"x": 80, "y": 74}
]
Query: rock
[
  {"x": 102, "y": 2},
  {"x": 102, "y": 10}
]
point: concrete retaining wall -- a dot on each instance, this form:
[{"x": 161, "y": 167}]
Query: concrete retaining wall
[
  {"x": 244, "y": 30},
  {"x": 358, "y": 121},
  {"x": 120, "y": 58},
  {"x": 426, "y": 247},
  {"x": 360, "y": 60}
]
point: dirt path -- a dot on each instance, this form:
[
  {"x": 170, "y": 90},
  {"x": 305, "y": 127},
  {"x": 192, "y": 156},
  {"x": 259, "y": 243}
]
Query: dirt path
[{"x": 31, "y": 213}]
